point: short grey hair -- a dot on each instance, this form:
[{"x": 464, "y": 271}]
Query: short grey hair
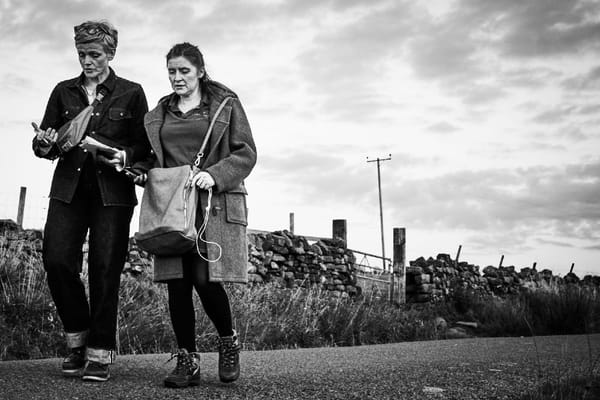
[{"x": 102, "y": 32}]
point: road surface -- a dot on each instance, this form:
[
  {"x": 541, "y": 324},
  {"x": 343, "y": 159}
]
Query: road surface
[{"x": 478, "y": 368}]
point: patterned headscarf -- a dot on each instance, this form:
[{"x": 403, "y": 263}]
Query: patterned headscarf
[{"x": 97, "y": 31}]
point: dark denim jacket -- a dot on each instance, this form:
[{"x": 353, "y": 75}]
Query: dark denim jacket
[{"x": 117, "y": 121}]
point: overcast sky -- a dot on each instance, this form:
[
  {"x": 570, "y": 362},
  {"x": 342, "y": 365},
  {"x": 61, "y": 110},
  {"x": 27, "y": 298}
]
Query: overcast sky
[{"x": 489, "y": 109}]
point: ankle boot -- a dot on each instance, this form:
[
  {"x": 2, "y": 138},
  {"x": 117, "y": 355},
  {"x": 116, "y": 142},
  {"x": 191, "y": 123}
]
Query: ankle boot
[{"x": 229, "y": 358}]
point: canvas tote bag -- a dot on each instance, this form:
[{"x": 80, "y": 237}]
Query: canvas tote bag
[{"x": 169, "y": 203}]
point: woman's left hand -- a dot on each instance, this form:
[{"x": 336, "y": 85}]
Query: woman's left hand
[{"x": 203, "y": 180}]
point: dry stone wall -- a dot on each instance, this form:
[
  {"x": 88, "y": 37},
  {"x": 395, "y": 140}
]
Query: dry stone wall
[
  {"x": 435, "y": 278},
  {"x": 293, "y": 261}
]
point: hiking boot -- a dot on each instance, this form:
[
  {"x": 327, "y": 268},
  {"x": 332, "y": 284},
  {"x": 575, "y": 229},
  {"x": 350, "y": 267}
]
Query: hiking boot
[
  {"x": 95, "y": 371},
  {"x": 74, "y": 362},
  {"x": 229, "y": 358},
  {"x": 186, "y": 372}
]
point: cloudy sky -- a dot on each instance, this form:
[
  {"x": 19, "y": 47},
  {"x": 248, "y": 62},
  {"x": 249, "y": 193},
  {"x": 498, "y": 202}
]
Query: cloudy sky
[{"x": 489, "y": 109}]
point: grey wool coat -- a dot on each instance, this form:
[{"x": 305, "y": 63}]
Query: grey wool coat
[{"x": 230, "y": 155}]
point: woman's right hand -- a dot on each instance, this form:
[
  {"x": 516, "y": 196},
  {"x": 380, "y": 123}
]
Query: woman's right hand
[{"x": 47, "y": 137}]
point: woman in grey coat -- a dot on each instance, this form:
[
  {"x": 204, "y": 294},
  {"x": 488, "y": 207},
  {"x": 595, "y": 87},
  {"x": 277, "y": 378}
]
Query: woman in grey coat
[{"x": 176, "y": 129}]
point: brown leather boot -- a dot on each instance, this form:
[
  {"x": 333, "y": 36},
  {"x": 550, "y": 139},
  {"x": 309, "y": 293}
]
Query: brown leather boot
[
  {"x": 186, "y": 372},
  {"x": 229, "y": 358}
]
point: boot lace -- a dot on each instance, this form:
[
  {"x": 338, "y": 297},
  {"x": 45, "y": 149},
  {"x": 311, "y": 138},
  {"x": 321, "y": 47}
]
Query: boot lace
[
  {"x": 184, "y": 362},
  {"x": 229, "y": 349}
]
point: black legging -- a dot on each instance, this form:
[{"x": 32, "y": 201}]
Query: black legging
[{"x": 181, "y": 306}]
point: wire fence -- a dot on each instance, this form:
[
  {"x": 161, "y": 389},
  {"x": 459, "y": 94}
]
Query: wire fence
[{"x": 34, "y": 212}]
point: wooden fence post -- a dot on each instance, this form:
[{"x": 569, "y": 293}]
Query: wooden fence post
[
  {"x": 572, "y": 266},
  {"x": 457, "y": 256},
  {"x": 339, "y": 230},
  {"x": 501, "y": 261},
  {"x": 21, "y": 209},
  {"x": 399, "y": 259},
  {"x": 292, "y": 223}
]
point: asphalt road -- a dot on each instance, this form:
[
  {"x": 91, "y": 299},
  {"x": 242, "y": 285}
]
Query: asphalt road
[{"x": 481, "y": 368}]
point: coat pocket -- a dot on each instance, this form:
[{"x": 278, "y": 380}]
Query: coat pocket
[
  {"x": 235, "y": 208},
  {"x": 117, "y": 113},
  {"x": 71, "y": 112}
]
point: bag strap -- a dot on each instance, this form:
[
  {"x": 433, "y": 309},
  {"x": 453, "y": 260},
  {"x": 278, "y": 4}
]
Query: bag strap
[{"x": 200, "y": 154}]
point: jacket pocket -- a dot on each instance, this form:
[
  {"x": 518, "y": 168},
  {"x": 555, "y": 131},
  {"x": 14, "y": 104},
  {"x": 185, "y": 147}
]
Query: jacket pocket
[
  {"x": 117, "y": 113},
  {"x": 235, "y": 208},
  {"x": 70, "y": 112}
]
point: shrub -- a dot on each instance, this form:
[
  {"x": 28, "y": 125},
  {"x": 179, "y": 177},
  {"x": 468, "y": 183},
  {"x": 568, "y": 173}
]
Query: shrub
[{"x": 29, "y": 326}]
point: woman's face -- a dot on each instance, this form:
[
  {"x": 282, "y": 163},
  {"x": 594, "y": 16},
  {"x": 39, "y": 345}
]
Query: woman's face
[
  {"x": 184, "y": 76},
  {"x": 93, "y": 59}
]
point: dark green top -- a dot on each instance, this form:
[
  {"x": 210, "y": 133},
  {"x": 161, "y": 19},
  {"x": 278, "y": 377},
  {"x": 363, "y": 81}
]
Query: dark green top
[{"x": 182, "y": 133}]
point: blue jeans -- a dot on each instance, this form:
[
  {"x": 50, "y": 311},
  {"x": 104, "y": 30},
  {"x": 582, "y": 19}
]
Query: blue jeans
[{"x": 64, "y": 235}]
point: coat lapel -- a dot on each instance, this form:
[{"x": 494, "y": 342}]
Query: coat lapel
[{"x": 153, "y": 121}]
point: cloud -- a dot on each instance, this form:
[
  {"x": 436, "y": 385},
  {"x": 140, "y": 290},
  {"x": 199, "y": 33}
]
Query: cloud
[
  {"x": 584, "y": 82},
  {"x": 346, "y": 65},
  {"x": 13, "y": 83},
  {"x": 529, "y": 78},
  {"x": 554, "y": 115},
  {"x": 546, "y": 28},
  {"x": 537, "y": 200},
  {"x": 482, "y": 47},
  {"x": 554, "y": 242},
  {"x": 332, "y": 174},
  {"x": 442, "y": 127}
]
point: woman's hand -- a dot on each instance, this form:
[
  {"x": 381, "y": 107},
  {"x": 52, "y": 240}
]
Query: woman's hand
[
  {"x": 47, "y": 137},
  {"x": 141, "y": 179},
  {"x": 114, "y": 159},
  {"x": 203, "y": 180}
]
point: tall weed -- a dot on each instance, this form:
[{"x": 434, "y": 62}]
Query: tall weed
[{"x": 268, "y": 316}]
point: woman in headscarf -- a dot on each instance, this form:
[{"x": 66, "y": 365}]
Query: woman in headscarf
[
  {"x": 176, "y": 129},
  {"x": 90, "y": 194}
]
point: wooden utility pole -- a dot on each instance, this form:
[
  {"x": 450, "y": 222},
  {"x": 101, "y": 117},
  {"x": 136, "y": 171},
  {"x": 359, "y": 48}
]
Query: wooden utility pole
[
  {"x": 399, "y": 260},
  {"x": 21, "y": 210},
  {"x": 378, "y": 161}
]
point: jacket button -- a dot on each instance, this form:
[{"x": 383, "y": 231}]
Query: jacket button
[
  {"x": 121, "y": 114},
  {"x": 78, "y": 169},
  {"x": 85, "y": 150}
]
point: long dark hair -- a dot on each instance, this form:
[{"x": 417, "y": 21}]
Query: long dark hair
[{"x": 193, "y": 55}]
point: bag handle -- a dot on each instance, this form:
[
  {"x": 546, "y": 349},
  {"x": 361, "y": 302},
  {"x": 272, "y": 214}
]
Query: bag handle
[{"x": 200, "y": 154}]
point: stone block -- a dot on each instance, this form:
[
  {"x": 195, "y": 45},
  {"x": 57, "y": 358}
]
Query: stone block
[
  {"x": 414, "y": 271},
  {"x": 425, "y": 288},
  {"x": 422, "y": 278}
]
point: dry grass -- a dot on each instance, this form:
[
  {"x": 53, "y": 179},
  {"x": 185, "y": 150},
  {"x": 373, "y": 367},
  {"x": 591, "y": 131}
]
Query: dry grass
[{"x": 270, "y": 317}]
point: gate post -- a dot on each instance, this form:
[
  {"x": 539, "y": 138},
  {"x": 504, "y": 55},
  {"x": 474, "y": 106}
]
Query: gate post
[
  {"x": 21, "y": 209},
  {"x": 339, "y": 230},
  {"x": 399, "y": 259}
]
